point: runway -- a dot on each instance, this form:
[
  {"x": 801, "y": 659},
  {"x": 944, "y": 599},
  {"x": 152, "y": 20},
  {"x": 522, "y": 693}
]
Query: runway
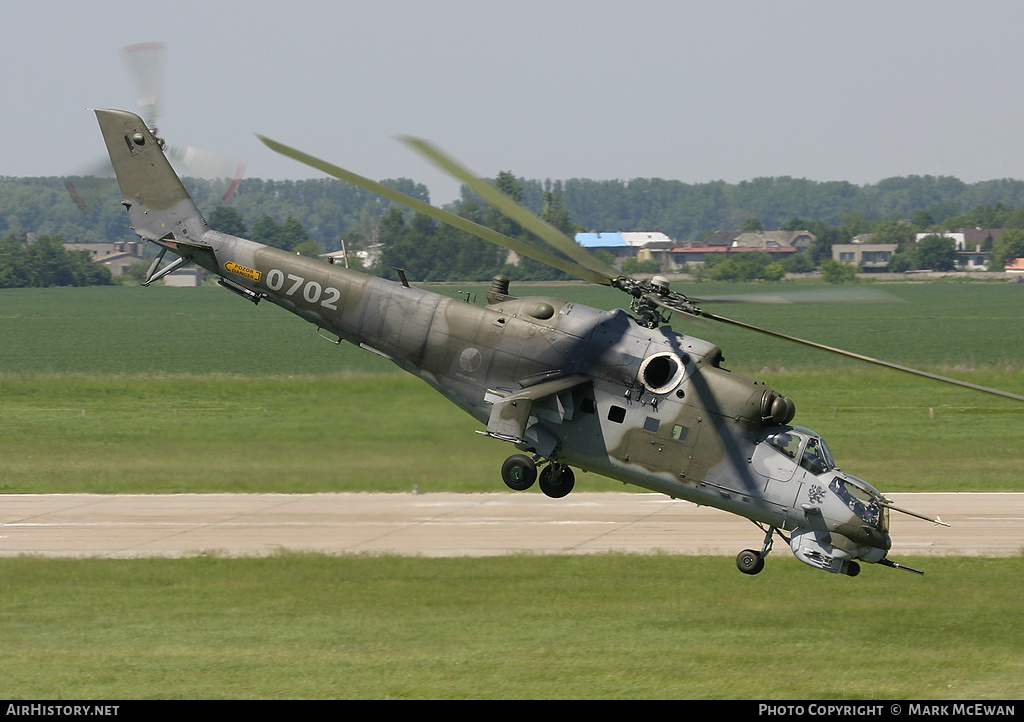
[{"x": 447, "y": 525}]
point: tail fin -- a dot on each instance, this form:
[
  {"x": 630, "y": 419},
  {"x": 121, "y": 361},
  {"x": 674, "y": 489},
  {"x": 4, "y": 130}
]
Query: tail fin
[{"x": 158, "y": 205}]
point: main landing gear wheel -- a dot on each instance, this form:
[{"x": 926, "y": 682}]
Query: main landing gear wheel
[
  {"x": 557, "y": 480},
  {"x": 749, "y": 562},
  {"x": 519, "y": 472}
]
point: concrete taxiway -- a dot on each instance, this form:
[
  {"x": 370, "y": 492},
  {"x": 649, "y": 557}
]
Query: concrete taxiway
[{"x": 443, "y": 525}]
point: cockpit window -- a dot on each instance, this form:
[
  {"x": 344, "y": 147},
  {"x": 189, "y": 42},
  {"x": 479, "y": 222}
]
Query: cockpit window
[
  {"x": 860, "y": 502},
  {"x": 816, "y": 457},
  {"x": 785, "y": 442}
]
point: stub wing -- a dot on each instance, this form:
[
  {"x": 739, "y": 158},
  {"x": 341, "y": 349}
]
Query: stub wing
[{"x": 522, "y": 416}]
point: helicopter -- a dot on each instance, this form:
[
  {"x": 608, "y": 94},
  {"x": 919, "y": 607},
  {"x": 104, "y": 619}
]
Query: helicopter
[{"x": 613, "y": 392}]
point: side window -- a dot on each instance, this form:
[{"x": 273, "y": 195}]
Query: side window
[
  {"x": 786, "y": 443},
  {"x": 616, "y": 414},
  {"x": 812, "y": 458}
]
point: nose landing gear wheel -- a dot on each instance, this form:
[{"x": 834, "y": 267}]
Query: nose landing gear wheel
[
  {"x": 749, "y": 562},
  {"x": 519, "y": 472},
  {"x": 557, "y": 480}
]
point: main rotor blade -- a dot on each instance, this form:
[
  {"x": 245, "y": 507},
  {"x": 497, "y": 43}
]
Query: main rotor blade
[
  {"x": 832, "y": 294},
  {"x": 851, "y": 354},
  {"x": 523, "y": 249},
  {"x": 531, "y": 222}
]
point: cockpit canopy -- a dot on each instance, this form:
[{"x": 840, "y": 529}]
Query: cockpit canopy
[
  {"x": 863, "y": 500},
  {"x": 809, "y": 450},
  {"x": 803, "y": 446}
]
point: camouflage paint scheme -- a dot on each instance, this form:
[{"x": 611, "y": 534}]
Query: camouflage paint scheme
[{"x": 573, "y": 384}]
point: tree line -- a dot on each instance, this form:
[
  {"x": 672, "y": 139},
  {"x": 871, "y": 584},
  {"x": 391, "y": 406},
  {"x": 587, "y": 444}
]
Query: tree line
[
  {"x": 46, "y": 262},
  {"x": 313, "y": 216},
  {"x": 331, "y": 209}
]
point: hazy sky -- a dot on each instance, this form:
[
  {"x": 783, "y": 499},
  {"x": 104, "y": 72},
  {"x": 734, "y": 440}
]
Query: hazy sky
[{"x": 687, "y": 90}]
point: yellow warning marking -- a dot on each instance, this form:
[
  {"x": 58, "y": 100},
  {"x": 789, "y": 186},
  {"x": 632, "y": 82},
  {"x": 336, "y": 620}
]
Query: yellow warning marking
[{"x": 244, "y": 271}]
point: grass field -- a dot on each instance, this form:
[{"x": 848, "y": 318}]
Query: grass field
[
  {"x": 608, "y": 627},
  {"x": 169, "y": 390},
  {"x": 942, "y": 324},
  {"x": 389, "y": 432},
  {"x": 172, "y": 390}
]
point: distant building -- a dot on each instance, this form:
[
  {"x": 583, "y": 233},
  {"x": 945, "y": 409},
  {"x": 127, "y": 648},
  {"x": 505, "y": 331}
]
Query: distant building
[
  {"x": 967, "y": 238},
  {"x": 185, "y": 278},
  {"x": 867, "y": 257},
  {"x": 642, "y": 245},
  {"x": 118, "y": 257},
  {"x": 983, "y": 237},
  {"x": 660, "y": 251},
  {"x": 601, "y": 240},
  {"x": 779, "y": 244},
  {"x": 639, "y": 239},
  {"x": 613, "y": 243},
  {"x": 762, "y": 240},
  {"x": 976, "y": 260},
  {"x": 969, "y": 244},
  {"x": 981, "y": 241}
]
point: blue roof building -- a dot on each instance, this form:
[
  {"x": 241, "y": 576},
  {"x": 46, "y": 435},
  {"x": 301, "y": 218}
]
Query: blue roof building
[{"x": 600, "y": 240}]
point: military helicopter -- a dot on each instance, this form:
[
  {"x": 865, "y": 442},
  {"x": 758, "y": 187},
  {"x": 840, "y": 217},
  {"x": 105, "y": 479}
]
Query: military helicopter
[{"x": 616, "y": 393}]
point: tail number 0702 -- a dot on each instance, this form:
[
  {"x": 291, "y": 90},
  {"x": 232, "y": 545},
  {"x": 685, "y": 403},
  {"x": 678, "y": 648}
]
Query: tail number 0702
[{"x": 311, "y": 291}]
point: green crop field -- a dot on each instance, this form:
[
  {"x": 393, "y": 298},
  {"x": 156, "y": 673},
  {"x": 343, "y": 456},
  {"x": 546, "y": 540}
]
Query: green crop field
[
  {"x": 169, "y": 390},
  {"x": 129, "y": 389},
  {"x": 390, "y": 432},
  {"x": 103, "y": 330}
]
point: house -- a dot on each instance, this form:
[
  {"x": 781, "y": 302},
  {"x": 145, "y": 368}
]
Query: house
[
  {"x": 866, "y": 256},
  {"x": 983, "y": 237},
  {"x": 976, "y": 260},
  {"x": 762, "y": 240},
  {"x": 966, "y": 239},
  {"x": 692, "y": 254},
  {"x": 981, "y": 240},
  {"x": 660, "y": 251},
  {"x": 1015, "y": 265},
  {"x": 780, "y": 244},
  {"x": 118, "y": 256},
  {"x": 772, "y": 241}
]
